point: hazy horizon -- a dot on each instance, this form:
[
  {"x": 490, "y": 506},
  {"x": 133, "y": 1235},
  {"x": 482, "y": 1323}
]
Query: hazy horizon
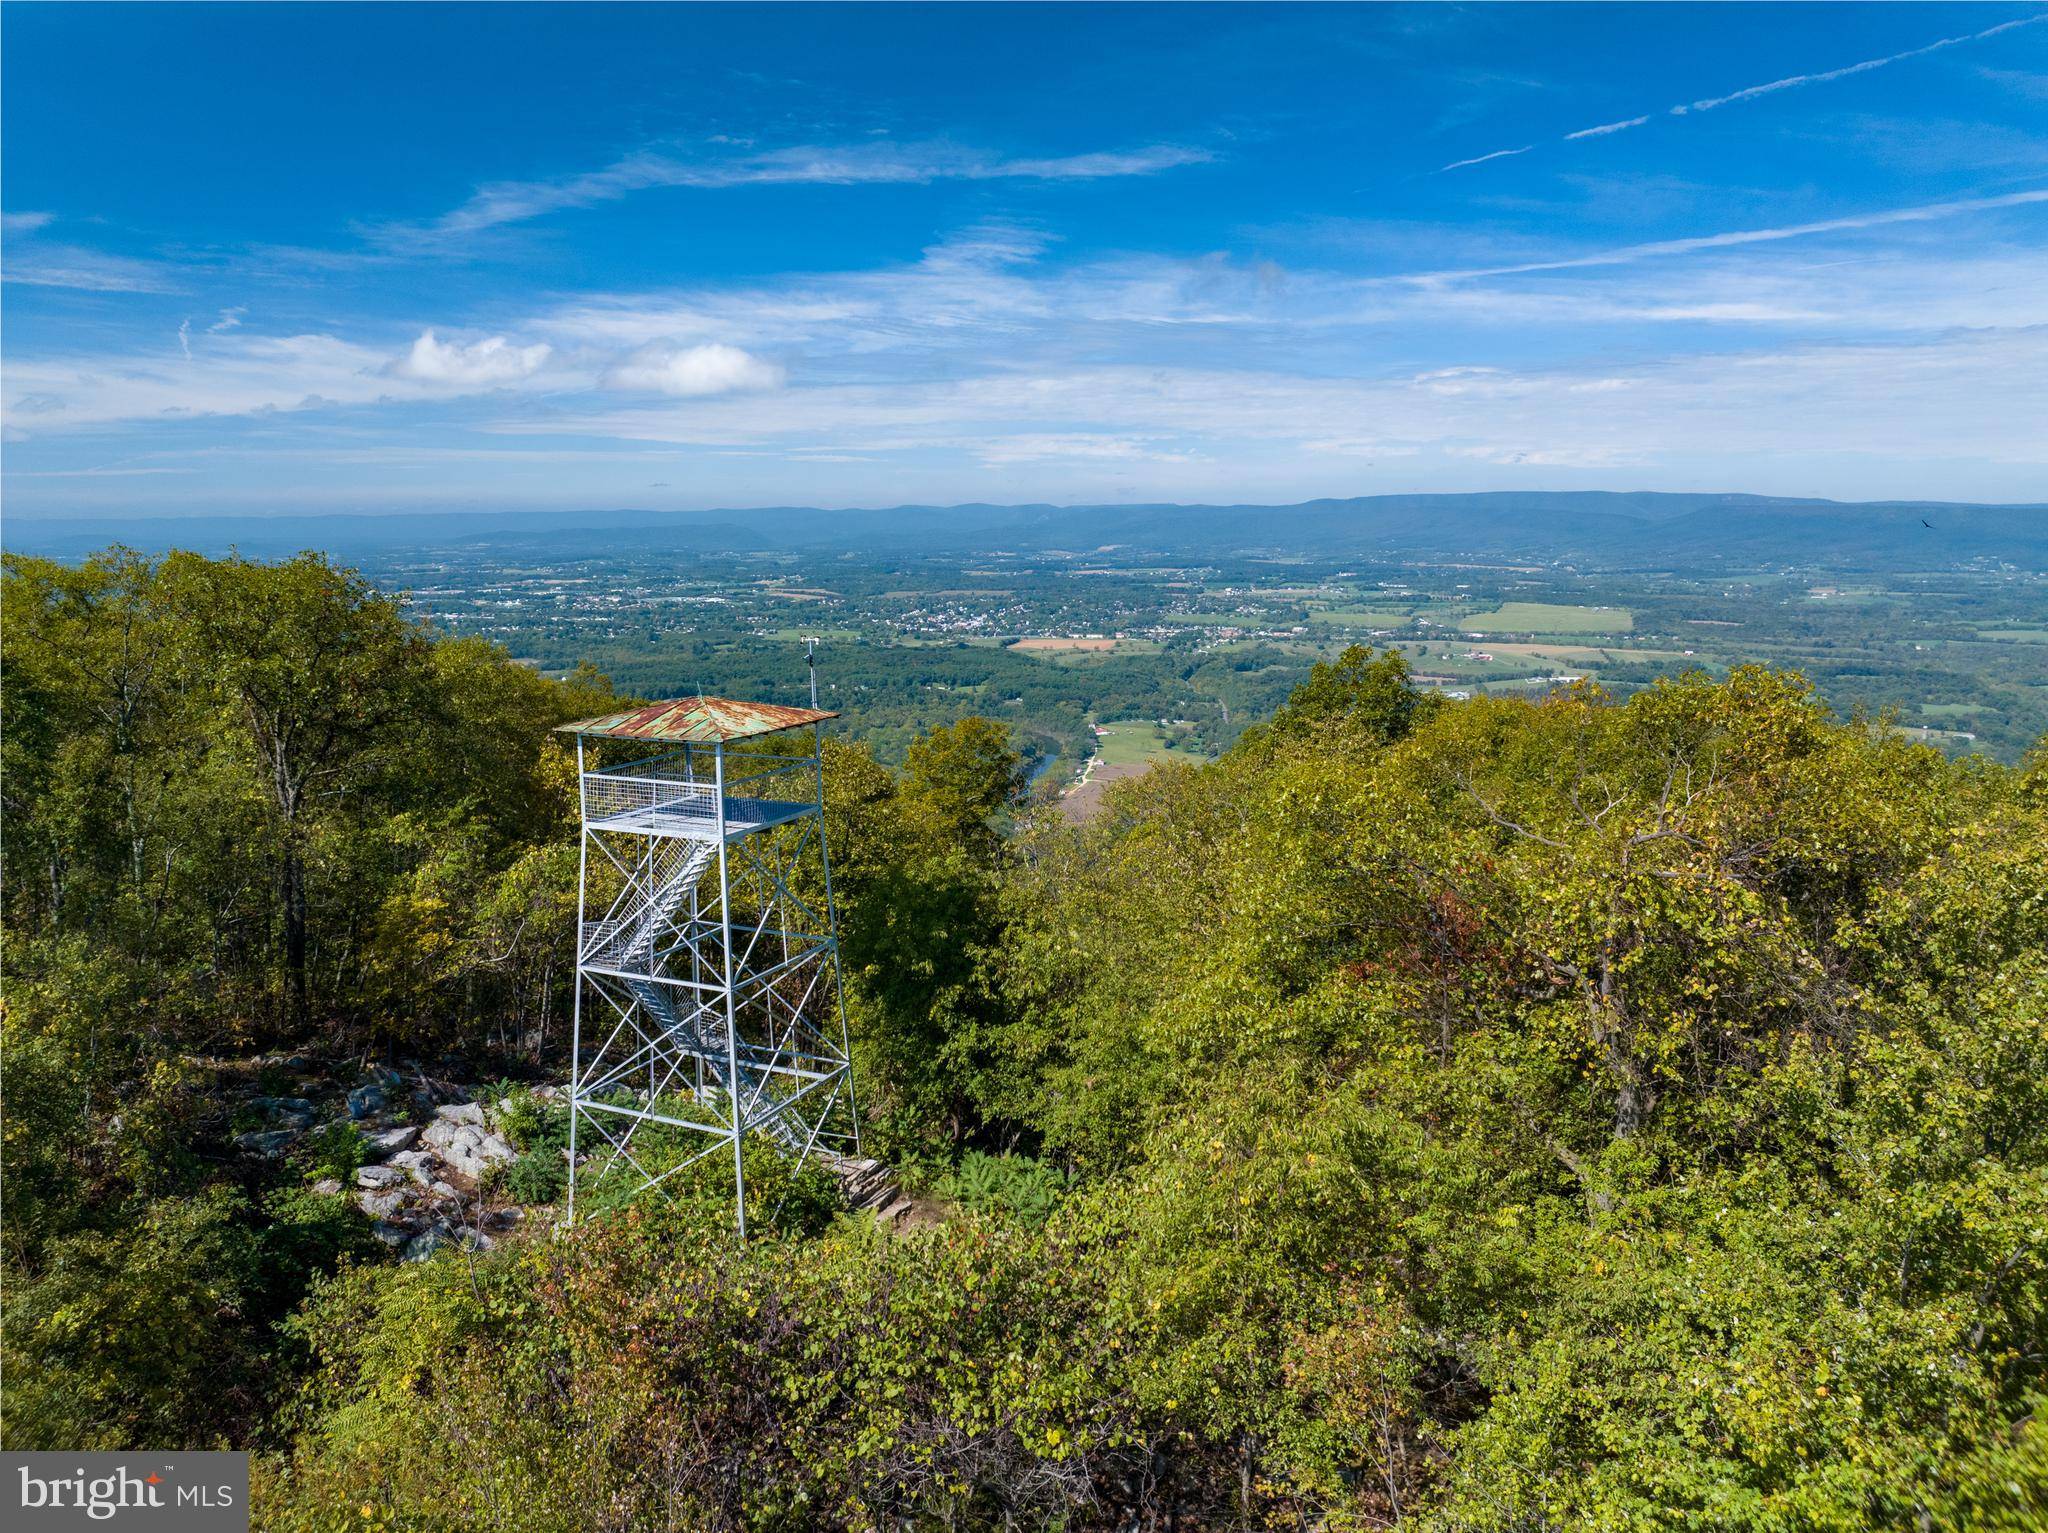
[{"x": 195, "y": 513}]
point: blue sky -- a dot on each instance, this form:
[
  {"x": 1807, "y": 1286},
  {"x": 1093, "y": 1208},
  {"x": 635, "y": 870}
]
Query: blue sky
[{"x": 300, "y": 258}]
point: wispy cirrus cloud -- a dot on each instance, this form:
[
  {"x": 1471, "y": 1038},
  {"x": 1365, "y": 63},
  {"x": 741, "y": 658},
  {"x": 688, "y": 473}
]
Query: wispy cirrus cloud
[
  {"x": 1768, "y": 88},
  {"x": 510, "y": 202},
  {"x": 1673, "y": 412},
  {"x": 34, "y": 261},
  {"x": 981, "y": 352},
  {"x": 88, "y": 271},
  {"x": 1652, "y": 249}
]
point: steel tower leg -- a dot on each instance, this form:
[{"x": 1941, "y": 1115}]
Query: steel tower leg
[{"x": 734, "y": 1090}]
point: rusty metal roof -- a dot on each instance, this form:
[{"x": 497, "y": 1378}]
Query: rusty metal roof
[{"x": 697, "y": 721}]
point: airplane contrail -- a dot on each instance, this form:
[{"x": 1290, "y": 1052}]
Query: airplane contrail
[
  {"x": 1769, "y": 87},
  {"x": 1481, "y": 159}
]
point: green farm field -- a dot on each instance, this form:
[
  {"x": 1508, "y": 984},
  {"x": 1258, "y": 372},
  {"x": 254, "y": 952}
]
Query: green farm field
[
  {"x": 1546, "y": 617},
  {"x": 1141, "y": 743}
]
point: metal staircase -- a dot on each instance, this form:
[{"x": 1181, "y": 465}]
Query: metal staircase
[{"x": 693, "y": 1031}]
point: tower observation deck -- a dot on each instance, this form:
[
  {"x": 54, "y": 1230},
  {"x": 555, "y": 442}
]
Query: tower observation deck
[{"x": 708, "y": 1003}]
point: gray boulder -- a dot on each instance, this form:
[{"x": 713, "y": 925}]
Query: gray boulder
[
  {"x": 365, "y": 1100},
  {"x": 416, "y": 1164},
  {"x": 327, "y": 1186},
  {"x": 426, "y": 1243},
  {"x": 391, "y": 1140},
  {"x": 266, "y": 1141},
  {"x": 382, "y": 1205},
  {"x": 379, "y": 1177}
]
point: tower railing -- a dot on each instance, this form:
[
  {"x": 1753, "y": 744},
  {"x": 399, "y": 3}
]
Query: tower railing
[{"x": 688, "y": 787}]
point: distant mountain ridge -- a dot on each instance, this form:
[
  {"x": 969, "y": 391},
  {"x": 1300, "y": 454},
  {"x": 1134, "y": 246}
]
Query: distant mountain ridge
[{"x": 1619, "y": 530}]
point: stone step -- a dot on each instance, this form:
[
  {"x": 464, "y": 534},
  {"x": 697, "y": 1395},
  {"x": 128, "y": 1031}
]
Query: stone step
[
  {"x": 894, "y": 1211},
  {"x": 868, "y": 1186}
]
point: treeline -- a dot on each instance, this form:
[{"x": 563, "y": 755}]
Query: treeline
[{"x": 1497, "y": 1115}]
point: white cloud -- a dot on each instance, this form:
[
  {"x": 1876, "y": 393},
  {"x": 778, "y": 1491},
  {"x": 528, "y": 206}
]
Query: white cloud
[
  {"x": 1947, "y": 416},
  {"x": 35, "y": 262},
  {"x": 239, "y": 374},
  {"x": 1030, "y": 447},
  {"x": 242, "y": 376},
  {"x": 230, "y": 319},
  {"x": 1968, "y": 399},
  {"x": 694, "y": 371},
  {"x": 508, "y": 202},
  {"x": 1047, "y": 378},
  {"x": 478, "y": 364}
]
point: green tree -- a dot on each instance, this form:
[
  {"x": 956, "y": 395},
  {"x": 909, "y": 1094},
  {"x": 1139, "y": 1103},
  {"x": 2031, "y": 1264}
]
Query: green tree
[
  {"x": 965, "y": 776},
  {"x": 1361, "y": 694},
  {"x": 321, "y": 676}
]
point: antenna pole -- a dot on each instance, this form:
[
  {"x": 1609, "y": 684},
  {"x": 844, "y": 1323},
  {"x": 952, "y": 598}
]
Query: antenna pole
[{"x": 811, "y": 660}]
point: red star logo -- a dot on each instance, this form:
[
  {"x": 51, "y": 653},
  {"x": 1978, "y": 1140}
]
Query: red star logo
[{"x": 154, "y": 1479}]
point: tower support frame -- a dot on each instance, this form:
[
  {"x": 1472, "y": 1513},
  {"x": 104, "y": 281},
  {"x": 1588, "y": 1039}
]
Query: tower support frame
[{"x": 708, "y": 1003}]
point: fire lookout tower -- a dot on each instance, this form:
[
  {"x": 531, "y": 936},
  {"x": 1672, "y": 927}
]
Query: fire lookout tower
[{"x": 708, "y": 1000}]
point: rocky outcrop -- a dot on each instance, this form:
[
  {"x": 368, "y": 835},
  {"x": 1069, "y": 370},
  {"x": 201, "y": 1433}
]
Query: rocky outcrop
[
  {"x": 461, "y": 1137},
  {"x": 418, "y": 1186}
]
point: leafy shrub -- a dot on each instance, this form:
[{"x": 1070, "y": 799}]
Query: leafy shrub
[
  {"x": 154, "y": 1333},
  {"x": 652, "y": 1373},
  {"x": 537, "y": 1177},
  {"x": 532, "y": 1124},
  {"x": 334, "y": 1150},
  {"x": 1015, "y": 1186}
]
